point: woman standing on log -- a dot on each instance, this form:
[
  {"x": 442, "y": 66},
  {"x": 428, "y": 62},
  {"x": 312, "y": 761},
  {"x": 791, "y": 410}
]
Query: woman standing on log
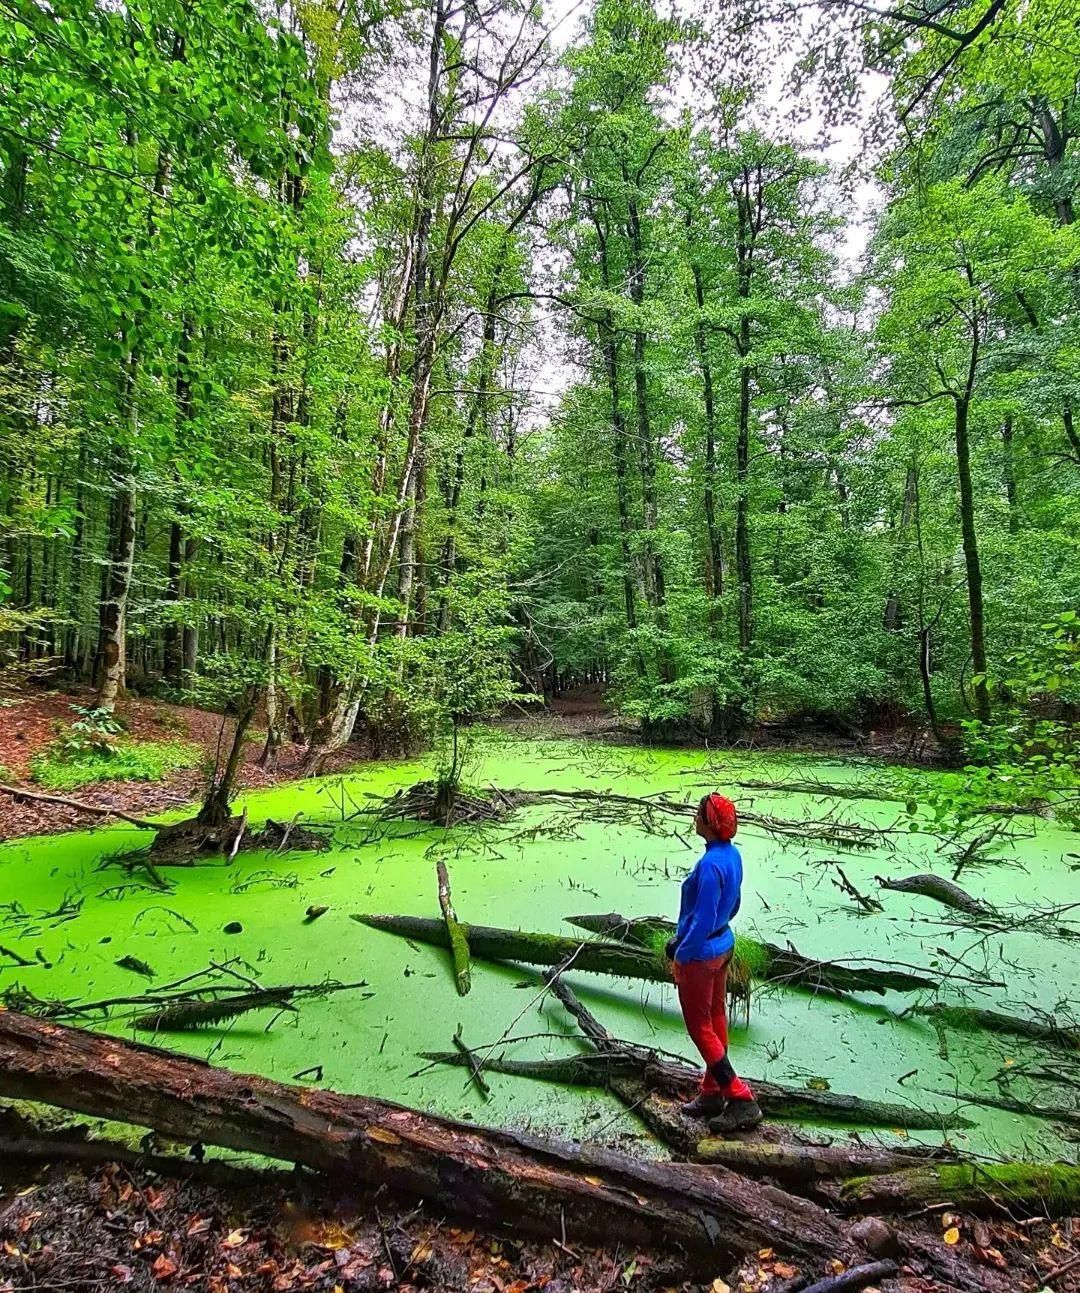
[{"x": 700, "y": 954}]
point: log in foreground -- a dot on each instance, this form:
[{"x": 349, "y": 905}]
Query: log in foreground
[
  {"x": 1034, "y": 1189},
  {"x": 636, "y": 961},
  {"x": 765, "y": 961},
  {"x": 538, "y": 1185}
]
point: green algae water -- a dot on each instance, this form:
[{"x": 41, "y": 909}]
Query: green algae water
[{"x": 531, "y": 871}]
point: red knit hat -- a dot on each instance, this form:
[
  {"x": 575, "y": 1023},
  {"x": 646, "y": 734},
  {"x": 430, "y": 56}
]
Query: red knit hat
[{"x": 720, "y": 816}]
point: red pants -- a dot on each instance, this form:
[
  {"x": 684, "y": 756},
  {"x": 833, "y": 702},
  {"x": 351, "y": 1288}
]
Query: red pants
[{"x": 702, "y": 987}]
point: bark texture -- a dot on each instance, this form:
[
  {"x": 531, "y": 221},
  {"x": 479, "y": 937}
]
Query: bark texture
[{"x": 495, "y": 1176}]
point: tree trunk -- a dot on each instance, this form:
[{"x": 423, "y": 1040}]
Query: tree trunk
[
  {"x": 1009, "y": 472},
  {"x": 654, "y": 581},
  {"x": 712, "y": 531},
  {"x": 743, "y": 566},
  {"x": 112, "y": 653},
  {"x": 492, "y": 1176},
  {"x": 971, "y": 562}
]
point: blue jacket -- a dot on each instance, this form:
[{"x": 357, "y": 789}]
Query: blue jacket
[{"x": 709, "y": 901}]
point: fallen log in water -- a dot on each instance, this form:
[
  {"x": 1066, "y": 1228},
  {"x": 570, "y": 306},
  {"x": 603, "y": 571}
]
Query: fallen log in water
[
  {"x": 494, "y": 944},
  {"x": 763, "y": 961},
  {"x": 940, "y": 889},
  {"x": 455, "y": 932},
  {"x": 541, "y": 1186},
  {"x": 634, "y": 961},
  {"x": 974, "y": 1019},
  {"x": 680, "y": 1082},
  {"x": 1034, "y": 1189}
]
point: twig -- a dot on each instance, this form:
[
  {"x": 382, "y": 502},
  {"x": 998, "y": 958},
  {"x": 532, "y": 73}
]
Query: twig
[{"x": 475, "y": 1073}]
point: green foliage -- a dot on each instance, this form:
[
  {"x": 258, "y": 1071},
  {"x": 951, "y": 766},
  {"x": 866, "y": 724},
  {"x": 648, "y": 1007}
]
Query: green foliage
[{"x": 57, "y": 769}]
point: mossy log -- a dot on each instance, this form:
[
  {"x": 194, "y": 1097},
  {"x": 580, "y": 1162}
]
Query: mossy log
[
  {"x": 494, "y": 944},
  {"x": 1034, "y": 1189},
  {"x": 455, "y": 932},
  {"x": 940, "y": 889},
  {"x": 971, "y": 1019},
  {"x": 762, "y": 961},
  {"x": 491, "y": 1176},
  {"x": 680, "y": 1082}
]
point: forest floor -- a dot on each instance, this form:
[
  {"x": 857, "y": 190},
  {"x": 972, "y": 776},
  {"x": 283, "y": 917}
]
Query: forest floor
[
  {"x": 114, "y": 1226},
  {"x": 30, "y": 719}
]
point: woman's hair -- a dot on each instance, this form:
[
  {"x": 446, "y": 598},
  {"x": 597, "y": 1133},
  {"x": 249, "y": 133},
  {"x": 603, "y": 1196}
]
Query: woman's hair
[{"x": 719, "y": 816}]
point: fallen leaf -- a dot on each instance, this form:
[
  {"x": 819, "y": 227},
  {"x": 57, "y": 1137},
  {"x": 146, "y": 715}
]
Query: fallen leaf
[
  {"x": 718, "y": 1286},
  {"x": 948, "y": 1220},
  {"x": 234, "y": 1239},
  {"x": 164, "y": 1267},
  {"x": 421, "y": 1253},
  {"x": 383, "y": 1135},
  {"x": 764, "y": 1254},
  {"x": 198, "y": 1226},
  {"x": 837, "y": 1267},
  {"x": 952, "y": 1235},
  {"x": 122, "y": 1274},
  {"x": 233, "y": 1271},
  {"x": 784, "y": 1270}
]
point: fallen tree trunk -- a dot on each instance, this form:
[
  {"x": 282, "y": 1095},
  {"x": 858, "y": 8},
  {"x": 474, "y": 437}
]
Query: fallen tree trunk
[
  {"x": 539, "y": 1185},
  {"x": 680, "y": 1082},
  {"x": 1051, "y": 1113},
  {"x": 494, "y": 944},
  {"x": 940, "y": 889},
  {"x": 635, "y": 961},
  {"x": 973, "y": 1019},
  {"x": 1035, "y": 1189},
  {"x": 801, "y": 1164},
  {"x": 455, "y": 932},
  {"x": 763, "y": 961}
]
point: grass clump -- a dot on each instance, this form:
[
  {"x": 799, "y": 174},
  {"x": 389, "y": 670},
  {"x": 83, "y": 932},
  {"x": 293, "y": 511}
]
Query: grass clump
[{"x": 59, "y": 769}]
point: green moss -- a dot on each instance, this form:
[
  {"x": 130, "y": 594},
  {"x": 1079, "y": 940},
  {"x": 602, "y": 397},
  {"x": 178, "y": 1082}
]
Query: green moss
[
  {"x": 129, "y": 761},
  {"x": 1054, "y": 1187},
  {"x": 750, "y": 957},
  {"x": 1056, "y": 1184}
]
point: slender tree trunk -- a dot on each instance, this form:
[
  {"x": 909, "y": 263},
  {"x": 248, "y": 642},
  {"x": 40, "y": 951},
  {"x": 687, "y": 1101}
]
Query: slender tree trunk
[
  {"x": 654, "y": 569},
  {"x": 1009, "y": 472},
  {"x": 743, "y": 566},
  {"x": 971, "y": 561},
  {"x": 716, "y": 550}
]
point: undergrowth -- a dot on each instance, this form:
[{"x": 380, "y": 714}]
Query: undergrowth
[{"x": 125, "y": 761}]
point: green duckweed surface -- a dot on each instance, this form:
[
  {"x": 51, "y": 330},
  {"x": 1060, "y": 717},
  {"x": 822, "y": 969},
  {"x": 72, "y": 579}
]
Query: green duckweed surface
[{"x": 545, "y": 863}]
